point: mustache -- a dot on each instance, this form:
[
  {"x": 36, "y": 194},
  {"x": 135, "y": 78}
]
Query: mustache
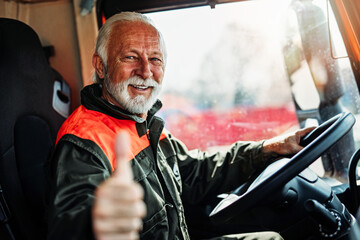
[{"x": 137, "y": 81}]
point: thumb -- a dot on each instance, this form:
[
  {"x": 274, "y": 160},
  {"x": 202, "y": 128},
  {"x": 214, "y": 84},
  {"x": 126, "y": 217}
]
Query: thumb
[
  {"x": 303, "y": 132},
  {"x": 123, "y": 170}
]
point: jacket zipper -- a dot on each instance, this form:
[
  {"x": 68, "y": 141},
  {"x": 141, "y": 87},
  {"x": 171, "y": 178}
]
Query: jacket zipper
[
  {"x": 148, "y": 133},
  {"x": 147, "y": 130}
]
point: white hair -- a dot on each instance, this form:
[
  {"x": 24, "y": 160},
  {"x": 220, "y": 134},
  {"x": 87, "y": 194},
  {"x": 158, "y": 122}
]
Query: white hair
[{"x": 105, "y": 31}]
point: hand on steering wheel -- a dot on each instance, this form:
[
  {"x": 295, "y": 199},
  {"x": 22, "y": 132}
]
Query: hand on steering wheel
[{"x": 315, "y": 144}]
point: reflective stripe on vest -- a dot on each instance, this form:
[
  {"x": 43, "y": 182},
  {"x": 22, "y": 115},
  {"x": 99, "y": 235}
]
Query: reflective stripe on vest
[{"x": 101, "y": 129}]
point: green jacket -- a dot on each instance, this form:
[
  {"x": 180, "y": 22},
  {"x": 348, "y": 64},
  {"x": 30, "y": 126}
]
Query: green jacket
[{"x": 169, "y": 173}]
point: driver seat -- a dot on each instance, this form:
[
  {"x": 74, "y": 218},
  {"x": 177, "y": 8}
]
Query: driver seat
[{"x": 34, "y": 101}]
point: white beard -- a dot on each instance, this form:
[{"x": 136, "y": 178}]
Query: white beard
[{"x": 138, "y": 104}]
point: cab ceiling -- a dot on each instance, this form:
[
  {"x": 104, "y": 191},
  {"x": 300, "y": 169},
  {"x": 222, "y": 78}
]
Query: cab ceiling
[{"x": 107, "y": 8}]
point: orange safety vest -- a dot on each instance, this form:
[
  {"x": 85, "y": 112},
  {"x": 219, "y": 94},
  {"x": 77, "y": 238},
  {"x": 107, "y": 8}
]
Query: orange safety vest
[{"x": 101, "y": 129}]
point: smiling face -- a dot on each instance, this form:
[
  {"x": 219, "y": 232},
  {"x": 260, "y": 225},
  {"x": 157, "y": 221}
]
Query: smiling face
[{"x": 135, "y": 67}]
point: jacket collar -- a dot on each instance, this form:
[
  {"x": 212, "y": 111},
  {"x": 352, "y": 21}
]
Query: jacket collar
[{"x": 91, "y": 99}]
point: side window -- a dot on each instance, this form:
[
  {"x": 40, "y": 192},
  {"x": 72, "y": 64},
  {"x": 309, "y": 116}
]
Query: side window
[
  {"x": 225, "y": 78},
  {"x": 321, "y": 77}
]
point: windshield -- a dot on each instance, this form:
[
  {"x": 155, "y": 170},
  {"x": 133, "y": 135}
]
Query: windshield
[{"x": 253, "y": 70}]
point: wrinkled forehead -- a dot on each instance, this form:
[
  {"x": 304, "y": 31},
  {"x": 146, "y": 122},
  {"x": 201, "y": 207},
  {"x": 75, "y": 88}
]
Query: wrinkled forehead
[{"x": 125, "y": 33}]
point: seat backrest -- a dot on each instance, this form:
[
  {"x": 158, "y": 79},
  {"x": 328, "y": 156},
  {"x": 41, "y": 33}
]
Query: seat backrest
[{"x": 34, "y": 101}]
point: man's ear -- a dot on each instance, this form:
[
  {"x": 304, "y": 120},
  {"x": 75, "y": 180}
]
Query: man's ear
[{"x": 98, "y": 65}]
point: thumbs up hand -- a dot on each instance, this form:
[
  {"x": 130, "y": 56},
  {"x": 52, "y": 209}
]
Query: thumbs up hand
[
  {"x": 123, "y": 171},
  {"x": 118, "y": 206}
]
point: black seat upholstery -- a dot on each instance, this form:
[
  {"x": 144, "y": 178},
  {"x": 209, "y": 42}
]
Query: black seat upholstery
[{"x": 34, "y": 101}]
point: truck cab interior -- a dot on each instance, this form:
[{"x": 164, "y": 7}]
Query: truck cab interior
[{"x": 238, "y": 70}]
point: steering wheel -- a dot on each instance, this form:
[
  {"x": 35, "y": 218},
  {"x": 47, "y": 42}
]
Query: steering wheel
[{"x": 315, "y": 144}]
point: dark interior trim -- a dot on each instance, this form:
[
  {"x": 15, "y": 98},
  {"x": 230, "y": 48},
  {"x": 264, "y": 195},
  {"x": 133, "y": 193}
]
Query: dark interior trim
[{"x": 107, "y": 8}]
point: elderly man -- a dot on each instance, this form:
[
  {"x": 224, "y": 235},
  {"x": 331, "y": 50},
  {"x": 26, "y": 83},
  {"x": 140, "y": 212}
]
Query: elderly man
[{"x": 89, "y": 198}]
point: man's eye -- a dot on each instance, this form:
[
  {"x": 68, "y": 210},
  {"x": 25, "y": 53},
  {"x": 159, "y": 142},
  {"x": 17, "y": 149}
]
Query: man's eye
[
  {"x": 129, "y": 59},
  {"x": 156, "y": 60}
]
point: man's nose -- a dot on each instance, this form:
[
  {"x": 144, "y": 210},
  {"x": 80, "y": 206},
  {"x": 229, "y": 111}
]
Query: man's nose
[{"x": 144, "y": 70}]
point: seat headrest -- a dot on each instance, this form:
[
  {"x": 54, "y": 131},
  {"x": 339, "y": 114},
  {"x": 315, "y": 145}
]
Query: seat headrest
[{"x": 26, "y": 79}]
